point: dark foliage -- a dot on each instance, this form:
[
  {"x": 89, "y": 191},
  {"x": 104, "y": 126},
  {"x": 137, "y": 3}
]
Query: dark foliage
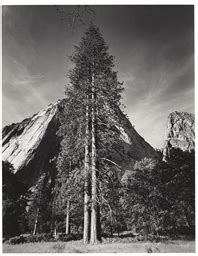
[
  {"x": 43, "y": 237},
  {"x": 14, "y": 203},
  {"x": 40, "y": 204},
  {"x": 70, "y": 237},
  {"x": 160, "y": 196},
  {"x": 28, "y": 238}
]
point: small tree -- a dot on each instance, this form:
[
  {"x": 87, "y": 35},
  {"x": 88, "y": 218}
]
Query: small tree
[
  {"x": 39, "y": 209},
  {"x": 68, "y": 199}
]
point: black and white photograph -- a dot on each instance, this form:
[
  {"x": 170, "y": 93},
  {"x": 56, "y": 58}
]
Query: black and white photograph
[{"x": 98, "y": 128}]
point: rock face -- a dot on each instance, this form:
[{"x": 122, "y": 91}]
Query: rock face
[
  {"x": 31, "y": 144},
  {"x": 135, "y": 146},
  {"x": 180, "y": 132}
]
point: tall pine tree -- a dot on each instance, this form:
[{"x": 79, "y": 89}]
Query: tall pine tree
[{"x": 89, "y": 120}]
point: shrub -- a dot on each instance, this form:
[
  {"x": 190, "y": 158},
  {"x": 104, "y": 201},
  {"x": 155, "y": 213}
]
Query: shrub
[
  {"x": 69, "y": 237},
  {"x": 45, "y": 237},
  {"x": 28, "y": 238},
  {"x": 39, "y": 238},
  {"x": 16, "y": 240}
]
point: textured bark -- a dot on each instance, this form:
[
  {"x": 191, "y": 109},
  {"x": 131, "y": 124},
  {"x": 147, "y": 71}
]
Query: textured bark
[
  {"x": 36, "y": 222},
  {"x": 87, "y": 194},
  {"x": 95, "y": 213},
  {"x": 67, "y": 224}
]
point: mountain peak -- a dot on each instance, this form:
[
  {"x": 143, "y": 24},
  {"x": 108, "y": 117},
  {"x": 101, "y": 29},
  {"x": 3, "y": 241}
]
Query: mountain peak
[
  {"x": 30, "y": 144},
  {"x": 181, "y": 114},
  {"x": 20, "y": 140},
  {"x": 180, "y": 131}
]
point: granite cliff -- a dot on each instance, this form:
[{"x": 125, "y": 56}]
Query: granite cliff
[{"x": 180, "y": 132}]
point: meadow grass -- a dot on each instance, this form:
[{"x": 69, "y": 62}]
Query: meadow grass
[{"x": 177, "y": 246}]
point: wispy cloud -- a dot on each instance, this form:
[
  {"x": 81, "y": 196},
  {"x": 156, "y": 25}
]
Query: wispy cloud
[{"x": 28, "y": 80}]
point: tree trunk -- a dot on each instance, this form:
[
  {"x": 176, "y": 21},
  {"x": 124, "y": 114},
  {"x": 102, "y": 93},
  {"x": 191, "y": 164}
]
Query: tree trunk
[
  {"x": 111, "y": 226},
  {"x": 98, "y": 223},
  {"x": 55, "y": 230},
  {"x": 95, "y": 214},
  {"x": 36, "y": 222},
  {"x": 87, "y": 194},
  {"x": 67, "y": 226}
]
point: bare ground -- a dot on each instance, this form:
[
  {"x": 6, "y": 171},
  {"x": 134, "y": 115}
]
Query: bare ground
[{"x": 178, "y": 246}]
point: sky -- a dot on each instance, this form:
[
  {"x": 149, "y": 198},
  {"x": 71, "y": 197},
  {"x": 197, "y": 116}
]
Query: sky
[{"x": 153, "y": 48}]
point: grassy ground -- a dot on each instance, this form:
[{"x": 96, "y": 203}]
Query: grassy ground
[{"x": 119, "y": 247}]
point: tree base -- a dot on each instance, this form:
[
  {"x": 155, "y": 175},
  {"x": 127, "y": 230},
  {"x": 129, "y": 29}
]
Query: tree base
[{"x": 96, "y": 242}]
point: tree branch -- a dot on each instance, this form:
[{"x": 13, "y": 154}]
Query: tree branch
[{"x": 108, "y": 160}]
